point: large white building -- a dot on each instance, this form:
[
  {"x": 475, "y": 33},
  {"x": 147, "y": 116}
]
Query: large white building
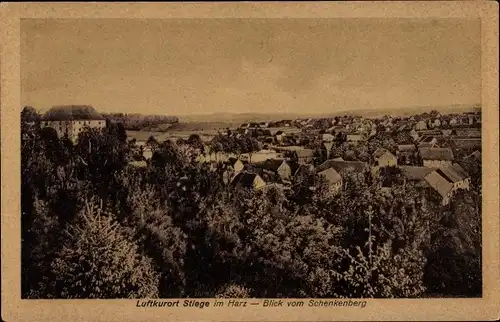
[{"x": 72, "y": 119}]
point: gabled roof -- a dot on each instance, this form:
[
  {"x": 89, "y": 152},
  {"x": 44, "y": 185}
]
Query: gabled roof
[
  {"x": 331, "y": 175},
  {"x": 245, "y": 179},
  {"x": 427, "y": 139},
  {"x": 380, "y": 152},
  {"x": 415, "y": 173},
  {"x": 406, "y": 148},
  {"x": 355, "y": 136},
  {"x": 305, "y": 153},
  {"x": 436, "y": 154},
  {"x": 426, "y": 145},
  {"x": 438, "y": 183},
  {"x": 233, "y": 160},
  {"x": 270, "y": 164},
  {"x": 296, "y": 168},
  {"x": 340, "y": 166},
  {"x": 453, "y": 173}
]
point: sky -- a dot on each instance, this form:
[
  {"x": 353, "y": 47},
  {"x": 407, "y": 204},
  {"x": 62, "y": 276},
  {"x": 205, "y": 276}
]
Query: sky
[{"x": 201, "y": 66}]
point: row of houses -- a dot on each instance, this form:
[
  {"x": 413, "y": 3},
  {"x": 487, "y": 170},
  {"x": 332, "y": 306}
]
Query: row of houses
[{"x": 438, "y": 174}]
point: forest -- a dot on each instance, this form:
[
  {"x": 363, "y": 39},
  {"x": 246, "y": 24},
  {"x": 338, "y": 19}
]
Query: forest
[
  {"x": 95, "y": 227},
  {"x": 138, "y": 122}
]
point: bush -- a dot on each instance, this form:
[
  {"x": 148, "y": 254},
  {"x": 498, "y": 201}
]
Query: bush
[{"x": 99, "y": 261}]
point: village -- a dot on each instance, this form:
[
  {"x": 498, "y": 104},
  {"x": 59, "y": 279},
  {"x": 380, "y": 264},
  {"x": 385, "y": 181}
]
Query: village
[
  {"x": 428, "y": 156},
  {"x": 425, "y": 148}
]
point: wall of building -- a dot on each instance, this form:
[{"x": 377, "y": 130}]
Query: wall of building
[
  {"x": 436, "y": 163},
  {"x": 258, "y": 183},
  {"x": 387, "y": 161},
  {"x": 285, "y": 172},
  {"x": 73, "y": 128}
]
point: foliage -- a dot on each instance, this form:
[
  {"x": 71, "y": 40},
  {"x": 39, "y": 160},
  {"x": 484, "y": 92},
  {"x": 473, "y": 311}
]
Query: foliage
[
  {"x": 387, "y": 274},
  {"x": 175, "y": 227},
  {"x": 233, "y": 291},
  {"x": 98, "y": 260}
]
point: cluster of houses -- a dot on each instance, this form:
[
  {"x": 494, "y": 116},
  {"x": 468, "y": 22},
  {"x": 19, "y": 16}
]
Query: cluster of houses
[
  {"x": 437, "y": 175},
  {"x": 284, "y": 153},
  {"x": 462, "y": 129}
]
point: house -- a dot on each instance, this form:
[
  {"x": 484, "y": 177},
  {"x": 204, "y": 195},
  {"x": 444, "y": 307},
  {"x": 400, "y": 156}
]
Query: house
[
  {"x": 327, "y": 137},
  {"x": 446, "y": 180},
  {"x": 436, "y": 122},
  {"x": 427, "y": 142},
  {"x": 70, "y": 120},
  {"x": 402, "y": 148},
  {"x": 414, "y": 134},
  {"x": 384, "y": 158},
  {"x": 138, "y": 164},
  {"x": 405, "y": 126},
  {"x": 280, "y": 135},
  {"x": 341, "y": 166},
  {"x": 304, "y": 173},
  {"x": 236, "y": 164},
  {"x": 440, "y": 185},
  {"x": 454, "y": 121},
  {"x": 355, "y": 138},
  {"x": 420, "y": 125},
  {"x": 147, "y": 153},
  {"x": 304, "y": 156},
  {"x": 248, "y": 180},
  {"x": 333, "y": 179},
  {"x": 328, "y": 147},
  {"x": 228, "y": 174},
  {"x": 406, "y": 153},
  {"x": 446, "y": 132},
  {"x": 416, "y": 175},
  {"x": 263, "y": 155},
  {"x": 264, "y": 124},
  {"x": 280, "y": 167},
  {"x": 436, "y": 157},
  {"x": 467, "y": 143},
  {"x": 456, "y": 175},
  {"x": 469, "y": 132}
]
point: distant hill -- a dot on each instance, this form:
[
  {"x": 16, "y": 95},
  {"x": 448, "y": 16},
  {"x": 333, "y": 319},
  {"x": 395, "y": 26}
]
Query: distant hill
[{"x": 236, "y": 118}]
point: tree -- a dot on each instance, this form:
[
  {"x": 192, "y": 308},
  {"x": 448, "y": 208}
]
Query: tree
[
  {"x": 454, "y": 266},
  {"x": 98, "y": 260},
  {"x": 233, "y": 291},
  {"x": 152, "y": 143},
  {"x": 29, "y": 114},
  {"x": 195, "y": 142},
  {"x": 386, "y": 274}
]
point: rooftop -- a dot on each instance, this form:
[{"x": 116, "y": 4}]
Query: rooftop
[
  {"x": 415, "y": 173},
  {"x": 331, "y": 175},
  {"x": 72, "y": 112},
  {"x": 436, "y": 154},
  {"x": 438, "y": 183},
  {"x": 340, "y": 166}
]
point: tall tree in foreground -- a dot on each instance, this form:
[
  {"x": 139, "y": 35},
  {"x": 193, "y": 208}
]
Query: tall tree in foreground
[{"x": 99, "y": 261}]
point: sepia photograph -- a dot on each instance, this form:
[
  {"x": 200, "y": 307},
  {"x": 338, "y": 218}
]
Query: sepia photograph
[
  {"x": 329, "y": 160},
  {"x": 251, "y": 158}
]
